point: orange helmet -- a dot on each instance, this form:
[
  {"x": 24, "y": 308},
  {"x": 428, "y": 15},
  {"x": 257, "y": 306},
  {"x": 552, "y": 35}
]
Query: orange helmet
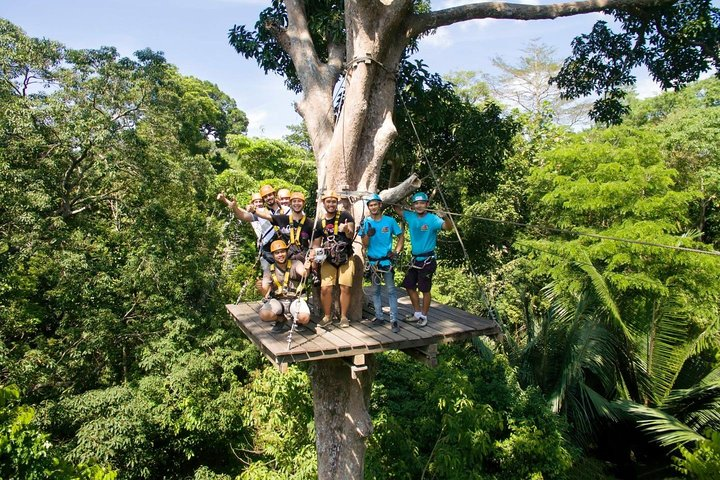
[
  {"x": 330, "y": 194},
  {"x": 299, "y": 195},
  {"x": 283, "y": 193},
  {"x": 255, "y": 196},
  {"x": 266, "y": 190},
  {"x": 278, "y": 245}
]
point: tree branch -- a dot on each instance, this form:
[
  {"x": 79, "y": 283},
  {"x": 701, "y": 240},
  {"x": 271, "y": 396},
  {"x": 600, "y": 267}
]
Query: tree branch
[{"x": 498, "y": 10}]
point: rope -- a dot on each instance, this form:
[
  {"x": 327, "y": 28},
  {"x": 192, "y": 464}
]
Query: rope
[{"x": 584, "y": 234}]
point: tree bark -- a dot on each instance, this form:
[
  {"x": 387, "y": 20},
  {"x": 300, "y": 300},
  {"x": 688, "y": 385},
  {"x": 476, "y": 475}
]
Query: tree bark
[{"x": 342, "y": 420}]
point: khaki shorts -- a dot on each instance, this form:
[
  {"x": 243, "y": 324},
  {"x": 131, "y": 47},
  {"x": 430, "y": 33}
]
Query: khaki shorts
[{"x": 343, "y": 275}]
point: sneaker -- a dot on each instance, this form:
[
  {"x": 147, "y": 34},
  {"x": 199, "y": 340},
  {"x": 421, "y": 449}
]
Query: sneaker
[
  {"x": 378, "y": 321},
  {"x": 422, "y": 321},
  {"x": 326, "y": 320},
  {"x": 279, "y": 327},
  {"x": 410, "y": 318},
  {"x": 300, "y": 328},
  {"x": 344, "y": 322},
  {"x": 395, "y": 326}
]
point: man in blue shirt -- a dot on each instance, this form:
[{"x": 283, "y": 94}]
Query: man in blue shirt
[
  {"x": 377, "y": 232},
  {"x": 424, "y": 227}
]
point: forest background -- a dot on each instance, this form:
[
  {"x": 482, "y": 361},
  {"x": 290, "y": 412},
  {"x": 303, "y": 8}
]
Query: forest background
[{"x": 117, "y": 357}]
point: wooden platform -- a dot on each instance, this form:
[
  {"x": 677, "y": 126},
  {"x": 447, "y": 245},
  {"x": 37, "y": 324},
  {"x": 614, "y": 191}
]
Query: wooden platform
[{"x": 446, "y": 324}]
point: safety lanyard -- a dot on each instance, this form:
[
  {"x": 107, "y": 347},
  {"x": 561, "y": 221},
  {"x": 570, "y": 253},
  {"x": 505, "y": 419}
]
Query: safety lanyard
[
  {"x": 295, "y": 232},
  {"x": 335, "y": 221},
  {"x": 281, "y": 286}
]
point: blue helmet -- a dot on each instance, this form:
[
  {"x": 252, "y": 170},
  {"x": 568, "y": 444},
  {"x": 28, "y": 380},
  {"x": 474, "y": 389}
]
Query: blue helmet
[
  {"x": 419, "y": 197},
  {"x": 373, "y": 197}
]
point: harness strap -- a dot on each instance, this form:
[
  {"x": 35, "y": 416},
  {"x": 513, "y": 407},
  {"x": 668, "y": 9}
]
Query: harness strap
[
  {"x": 295, "y": 232},
  {"x": 335, "y": 222},
  {"x": 281, "y": 286}
]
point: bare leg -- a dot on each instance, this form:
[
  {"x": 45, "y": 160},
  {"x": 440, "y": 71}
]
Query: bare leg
[
  {"x": 344, "y": 300},
  {"x": 427, "y": 298},
  {"x": 326, "y": 299},
  {"x": 414, "y": 299}
]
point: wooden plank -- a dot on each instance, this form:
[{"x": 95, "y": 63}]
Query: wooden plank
[{"x": 446, "y": 324}]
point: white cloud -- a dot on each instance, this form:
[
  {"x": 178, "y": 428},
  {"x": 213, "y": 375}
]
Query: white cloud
[
  {"x": 440, "y": 39},
  {"x": 646, "y": 87}
]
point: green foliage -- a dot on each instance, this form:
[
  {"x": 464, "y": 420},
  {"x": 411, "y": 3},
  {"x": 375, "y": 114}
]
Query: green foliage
[
  {"x": 280, "y": 413},
  {"x": 468, "y": 418},
  {"x": 703, "y": 461},
  {"x": 676, "y": 42},
  {"x": 27, "y": 453}
]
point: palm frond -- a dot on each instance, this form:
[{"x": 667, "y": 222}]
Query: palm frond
[
  {"x": 662, "y": 427},
  {"x": 603, "y": 293}
]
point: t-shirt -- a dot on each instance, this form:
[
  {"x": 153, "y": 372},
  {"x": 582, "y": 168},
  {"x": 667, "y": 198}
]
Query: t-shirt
[
  {"x": 264, "y": 232},
  {"x": 293, "y": 279},
  {"x": 423, "y": 231},
  {"x": 336, "y": 256},
  {"x": 380, "y": 243},
  {"x": 329, "y": 228},
  {"x": 294, "y": 231}
]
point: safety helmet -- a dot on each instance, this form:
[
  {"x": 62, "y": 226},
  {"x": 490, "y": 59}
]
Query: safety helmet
[
  {"x": 255, "y": 196},
  {"x": 373, "y": 197},
  {"x": 330, "y": 194},
  {"x": 266, "y": 190},
  {"x": 283, "y": 193},
  {"x": 278, "y": 245},
  {"x": 419, "y": 197},
  {"x": 295, "y": 195}
]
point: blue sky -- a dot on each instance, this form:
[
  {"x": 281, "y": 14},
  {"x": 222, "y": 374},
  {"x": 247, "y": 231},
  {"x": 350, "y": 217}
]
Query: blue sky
[{"x": 193, "y": 36}]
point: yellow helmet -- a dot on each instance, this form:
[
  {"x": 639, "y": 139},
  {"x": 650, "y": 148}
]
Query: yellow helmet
[
  {"x": 330, "y": 194},
  {"x": 266, "y": 190},
  {"x": 255, "y": 196},
  {"x": 278, "y": 245},
  {"x": 283, "y": 192},
  {"x": 299, "y": 195}
]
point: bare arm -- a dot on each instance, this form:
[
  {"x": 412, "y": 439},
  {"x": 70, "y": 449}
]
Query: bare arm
[
  {"x": 240, "y": 213},
  {"x": 400, "y": 242}
]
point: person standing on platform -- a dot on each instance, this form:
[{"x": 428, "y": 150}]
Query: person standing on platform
[
  {"x": 423, "y": 227},
  {"x": 284, "y": 197},
  {"x": 334, "y": 233},
  {"x": 377, "y": 232},
  {"x": 296, "y": 228},
  {"x": 263, "y": 229},
  {"x": 267, "y": 192}
]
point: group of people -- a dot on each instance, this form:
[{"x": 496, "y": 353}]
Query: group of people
[{"x": 292, "y": 245}]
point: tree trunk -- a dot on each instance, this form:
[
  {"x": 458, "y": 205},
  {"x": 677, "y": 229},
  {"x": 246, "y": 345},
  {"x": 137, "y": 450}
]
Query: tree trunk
[{"x": 342, "y": 419}]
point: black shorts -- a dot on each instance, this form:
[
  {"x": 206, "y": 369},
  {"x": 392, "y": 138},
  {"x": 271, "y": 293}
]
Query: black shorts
[{"x": 419, "y": 275}]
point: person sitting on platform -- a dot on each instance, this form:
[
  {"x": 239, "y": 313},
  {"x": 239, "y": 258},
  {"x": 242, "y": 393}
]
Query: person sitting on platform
[
  {"x": 263, "y": 228},
  {"x": 282, "y": 285},
  {"x": 423, "y": 227},
  {"x": 335, "y": 234},
  {"x": 377, "y": 232},
  {"x": 296, "y": 228}
]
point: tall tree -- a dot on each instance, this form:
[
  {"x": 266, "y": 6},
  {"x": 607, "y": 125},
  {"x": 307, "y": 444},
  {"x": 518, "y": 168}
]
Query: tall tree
[{"x": 318, "y": 44}]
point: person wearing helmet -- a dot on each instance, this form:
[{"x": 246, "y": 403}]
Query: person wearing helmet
[
  {"x": 295, "y": 228},
  {"x": 284, "y": 197},
  {"x": 334, "y": 233},
  {"x": 263, "y": 229},
  {"x": 267, "y": 192},
  {"x": 377, "y": 232},
  {"x": 423, "y": 227},
  {"x": 281, "y": 286}
]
